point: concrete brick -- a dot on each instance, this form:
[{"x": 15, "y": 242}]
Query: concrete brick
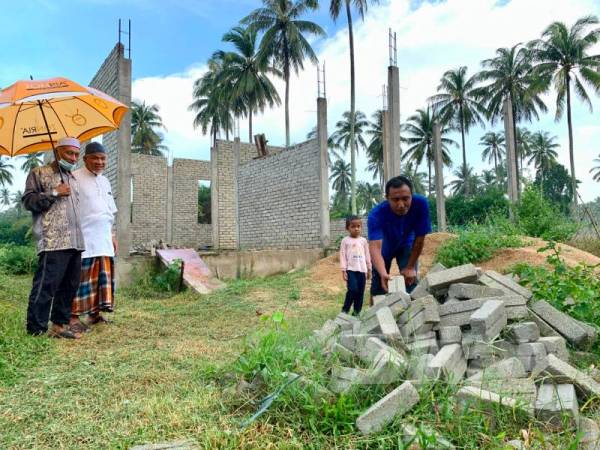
[
  {"x": 556, "y": 405},
  {"x": 387, "y": 323},
  {"x": 344, "y": 378},
  {"x": 508, "y": 283},
  {"x": 532, "y": 355},
  {"x": 450, "y": 335},
  {"x": 395, "y": 404},
  {"x": 388, "y": 367},
  {"x": 354, "y": 341},
  {"x": 422, "y": 290},
  {"x": 378, "y": 299},
  {"x": 342, "y": 352},
  {"x": 423, "y": 346},
  {"x": 481, "y": 398},
  {"x": 396, "y": 284},
  {"x": 545, "y": 329},
  {"x": 557, "y": 346},
  {"x": 590, "y": 432},
  {"x": 560, "y": 371},
  {"x": 568, "y": 327},
  {"x": 418, "y": 366},
  {"x": 507, "y": 369},
  {"x": 448, "y": 363},
  {"x": 460, "y": 307},
  {"x": 519, "y": 333},
  {"x": 437, "y": 267},
  {"x": 520, "y": 389},
  {"x": 465, "y": 291},
  {"x": 372, "y": 347},
  {"x": 444, "y": 278},
  {"x": 487, "y": 321}
]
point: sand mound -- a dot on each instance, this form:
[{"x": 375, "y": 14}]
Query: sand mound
[{"x": 327, "y": 274}]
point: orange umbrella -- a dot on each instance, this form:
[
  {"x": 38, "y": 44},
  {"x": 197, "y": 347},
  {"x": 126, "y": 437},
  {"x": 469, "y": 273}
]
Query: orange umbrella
[{"x": 35, "y": 114}]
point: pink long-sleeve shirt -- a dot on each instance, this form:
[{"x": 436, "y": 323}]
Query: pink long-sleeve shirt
[{"x": 354, "y": 254}]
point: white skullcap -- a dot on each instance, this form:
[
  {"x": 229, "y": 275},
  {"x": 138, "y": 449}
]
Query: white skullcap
[{"x": 68, "y": 142}]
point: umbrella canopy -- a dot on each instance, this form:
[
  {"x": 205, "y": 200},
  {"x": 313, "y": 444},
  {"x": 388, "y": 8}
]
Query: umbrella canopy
[{"x": 35, "y": 114}]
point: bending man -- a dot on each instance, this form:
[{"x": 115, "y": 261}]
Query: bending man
[{"x": 397, "y": 229}]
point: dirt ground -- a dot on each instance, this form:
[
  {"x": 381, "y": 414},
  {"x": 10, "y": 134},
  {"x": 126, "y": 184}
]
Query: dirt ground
[{"x": 326, "y": 272}]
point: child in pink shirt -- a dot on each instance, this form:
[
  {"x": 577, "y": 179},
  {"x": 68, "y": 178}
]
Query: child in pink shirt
[{"x": 355, "y": 262}]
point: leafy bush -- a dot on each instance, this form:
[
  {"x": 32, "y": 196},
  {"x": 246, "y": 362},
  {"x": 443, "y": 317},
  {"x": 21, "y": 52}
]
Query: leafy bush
[
  {"x": 461, "y": 210},
  {"x": 15, "y": 230},
  {"x": 18, "y": 259},
  {"x": 478, "y": 243},
  {"x": 574, "y": 290},
  {"x": 538, "y": 217}
]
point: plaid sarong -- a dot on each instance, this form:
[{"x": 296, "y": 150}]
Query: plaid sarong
[{"x": 96, "y": 288}]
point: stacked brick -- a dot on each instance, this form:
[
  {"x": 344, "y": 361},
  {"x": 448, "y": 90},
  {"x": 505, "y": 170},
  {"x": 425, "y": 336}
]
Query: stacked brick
[{"x": 475, "y": 330}]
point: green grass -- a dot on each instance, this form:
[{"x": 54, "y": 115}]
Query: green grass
[{"x": 165, "y": 368}]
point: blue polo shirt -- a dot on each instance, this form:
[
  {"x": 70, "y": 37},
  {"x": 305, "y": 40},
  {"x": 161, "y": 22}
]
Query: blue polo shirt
[{"x": 399, "y": 231}]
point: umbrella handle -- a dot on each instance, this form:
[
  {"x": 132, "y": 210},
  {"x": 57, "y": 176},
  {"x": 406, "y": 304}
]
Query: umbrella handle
[{"x": 62, "y": 180}]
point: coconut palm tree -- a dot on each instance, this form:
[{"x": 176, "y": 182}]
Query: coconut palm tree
[
  {"x": 368, "y": 195},
  {"x": 375, "y": 147},
  {"x": 341, "y": 179},
  {"x": 466, "y": 181},
  {"x": 335, "y": 7},
  {"x": 212, "y": 102},
  {"x": 418, "y": 134},
  {"x": 342, "y": 135},
  {"x": 543, "y": 153},
  {"x": 284, "y": 41},
  {"x": 5, "y": 199},
  {"x": 145, "y": 120},
  {"x": 510, "y": 75},
  {"x": 562, "y": 56},
  {"x": 523, "y": 148},
  {"x": 457, "y": 105},
  {"x": 6, "y": 176},
  {"x": 596, "y": 169},
  {"x": 411, "y": 170},
  {"x": 16, "y": 202},
  {"x": 31, "y": 161},
  {"x": 248, "y": 74},
  {"x": 493, "y": 148}
]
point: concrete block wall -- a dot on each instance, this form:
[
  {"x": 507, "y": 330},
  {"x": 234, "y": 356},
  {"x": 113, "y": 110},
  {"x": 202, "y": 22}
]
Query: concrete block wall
[
  {"x": 228, "y": 155},
  {"x": 149, "y": 212},
  {"x": 279, "y": 200},
  {"x": 186, "y": 230}
]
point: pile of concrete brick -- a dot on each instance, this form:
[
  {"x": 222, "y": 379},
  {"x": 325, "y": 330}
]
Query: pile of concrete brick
[{"x": 475, "y": 329}]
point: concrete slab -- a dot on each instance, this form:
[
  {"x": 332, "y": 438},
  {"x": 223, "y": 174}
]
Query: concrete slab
[
  {"x": 196, "y": 274},
  {"x": 395, "y": 404}
]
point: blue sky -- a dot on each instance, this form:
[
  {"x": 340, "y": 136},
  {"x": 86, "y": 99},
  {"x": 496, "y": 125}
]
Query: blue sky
[{"x": 172, "y": 40}]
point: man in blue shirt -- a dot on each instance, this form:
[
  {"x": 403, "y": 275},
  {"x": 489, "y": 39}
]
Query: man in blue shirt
[{"x": 397, "y": 229}]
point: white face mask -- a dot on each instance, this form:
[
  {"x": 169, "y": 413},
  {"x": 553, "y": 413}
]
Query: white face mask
[{"x": 66, "y": 165}]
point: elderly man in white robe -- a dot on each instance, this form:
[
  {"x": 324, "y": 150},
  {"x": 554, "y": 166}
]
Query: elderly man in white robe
[{"x": 96, "y": 289}]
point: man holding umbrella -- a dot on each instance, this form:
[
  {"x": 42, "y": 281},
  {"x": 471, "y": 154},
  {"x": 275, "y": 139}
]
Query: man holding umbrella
[{"x": 52, "y": 195}]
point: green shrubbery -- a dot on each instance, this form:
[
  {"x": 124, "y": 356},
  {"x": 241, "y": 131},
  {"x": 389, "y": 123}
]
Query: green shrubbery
[
  {"x": 15, "y": 230},
  {"x": 478, "y": 243},
  {"x": 538, "y": 217},
  {"x": 575, "y": 290},
  {"x": 18, "y": 259}
]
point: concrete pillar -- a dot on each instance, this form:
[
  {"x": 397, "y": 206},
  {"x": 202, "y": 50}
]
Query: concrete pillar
[
  {"x": 214, "y": 197},
  {"x": 170, "y": 201},
  {"x": 323, "y": 169},
  {"x": 387, "y": 172},
  {"x": 236, "y": 167},
  {"x": 509, "y": 139},
  {"x": 394, "y": 152},
  {"x": 123, "y": 200},
  {"x": 440, "y": 200}
]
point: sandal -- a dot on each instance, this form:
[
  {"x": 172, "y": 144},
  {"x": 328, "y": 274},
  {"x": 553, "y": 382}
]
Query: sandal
[
  {"x": 93, "y": 320},
  {"x": 80, "y": 328},
  {"x": 65, "y": 333}
]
